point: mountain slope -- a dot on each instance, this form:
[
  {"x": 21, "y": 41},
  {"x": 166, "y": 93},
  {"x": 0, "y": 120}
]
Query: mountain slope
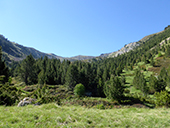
[
  {"x": 17, "y": 52},
  {"x": 132, "y": 46}
]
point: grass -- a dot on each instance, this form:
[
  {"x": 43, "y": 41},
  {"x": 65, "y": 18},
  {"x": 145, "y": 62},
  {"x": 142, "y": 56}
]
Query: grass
[{"x": 51, "y": 115}]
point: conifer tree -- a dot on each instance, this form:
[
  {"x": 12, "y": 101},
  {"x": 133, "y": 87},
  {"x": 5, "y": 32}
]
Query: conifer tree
[
  {"x": 72, "y": 76},
  {"x": 105, "y": 75},
  {"x": 4, "y": 71},
  {"x": 27, "y": 70},
  {"x": 114, "y": 89},
  {"x": 167, "y": 52},
  {"x": 139, "y": 82},
  {"x": 153, "y": 83},
  {"x": 100, "y": 88},
  {"x": 163, "y": 74}
]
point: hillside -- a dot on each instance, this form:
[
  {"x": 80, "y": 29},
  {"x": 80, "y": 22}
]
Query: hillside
[
  {"x": 17, "y": 52},
  {"x": 133, "y": 82},
  {"x": 132, "y": 46}
]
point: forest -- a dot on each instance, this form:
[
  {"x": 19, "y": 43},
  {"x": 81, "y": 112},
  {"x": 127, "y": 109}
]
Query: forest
[{"x": 121, "y": 79}]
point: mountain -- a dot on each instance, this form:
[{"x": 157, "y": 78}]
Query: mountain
[
  {"x": 131, "y": 46},
  {"x": 80, "y": 57},
  {"x": 17, "y": 52}
]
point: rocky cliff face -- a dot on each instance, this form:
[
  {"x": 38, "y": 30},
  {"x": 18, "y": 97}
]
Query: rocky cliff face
[
  {"x": 126, "y": 48},
  {"x": 132, "y": 46}
]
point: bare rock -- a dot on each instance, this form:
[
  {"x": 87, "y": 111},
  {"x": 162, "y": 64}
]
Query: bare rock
[{"x": 25, "y": 101}]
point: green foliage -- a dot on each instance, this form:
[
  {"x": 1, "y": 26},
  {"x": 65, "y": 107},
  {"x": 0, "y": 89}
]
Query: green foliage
[
  {"x": 3, "y": 68},
  {"x": 167, "y": 52},
  {"x": 72, "y": 76},
  {"x": 43, "y": 96},
  {"x": 100, "y": 106},
  {"x": 163, "y": 74},
  {"x": 100, "y": 88},
  {"x": 156, "y": 85},
  {"x": 27, "y": 70},
  {"x": 167, "y": 27},
  {"x": 93, "y": 75},
  {"x": 8, "y": 94},
  {"x": 159, "y": 54},
  {"x": 153, "y": 83},
  {"x": 139, "y": 82},
  {"x": 79, "y": 90},
  {"x": 162, "y": 99},
  {"x": 114, "y": 88},
  {"x": 152, "y": 62},
  {"x": 52, "y": 115}
]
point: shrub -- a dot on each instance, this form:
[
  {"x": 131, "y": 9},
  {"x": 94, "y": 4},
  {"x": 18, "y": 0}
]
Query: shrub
[
  {"x": 79, "y": 90},
  {"x": 8, "y": 94},
  {"x": 162, "y": 98},
  {"x": 114, "y": 88},
  {"x": 159, "y": 54},
  {"x": 100, "y": 106}
]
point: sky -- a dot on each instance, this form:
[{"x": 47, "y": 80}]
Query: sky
[{"x": 81, "y": 27}]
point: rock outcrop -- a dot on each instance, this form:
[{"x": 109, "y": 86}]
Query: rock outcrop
[
  {"x": 25, "y": 101},
  {"x": 125, "y": 49}
]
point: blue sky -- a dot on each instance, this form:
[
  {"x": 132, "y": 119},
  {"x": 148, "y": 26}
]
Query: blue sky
[{"x": 81, "y": 27}]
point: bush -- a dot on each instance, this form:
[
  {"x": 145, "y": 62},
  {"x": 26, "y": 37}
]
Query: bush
[
  {"x": 162, "y": 99},
  {"x": 159, "y": 54},
  {"x": 48, "y": 99},
  {"x": 79, "y": 90},
  {"x": 114, "y": 88},
  {"x": 8, "y": 94},
  {"x": 100, "y": 106}
]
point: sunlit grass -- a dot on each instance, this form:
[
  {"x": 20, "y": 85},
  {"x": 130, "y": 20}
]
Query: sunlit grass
[{"x": 51, "y": 115}]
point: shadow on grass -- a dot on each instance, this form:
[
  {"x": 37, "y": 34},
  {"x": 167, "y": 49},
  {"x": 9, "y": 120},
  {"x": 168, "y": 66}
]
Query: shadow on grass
[{"x": 136, "y": 102}]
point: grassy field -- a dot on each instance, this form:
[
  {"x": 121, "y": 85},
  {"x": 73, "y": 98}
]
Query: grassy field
[{"x": 51, "y": 115}]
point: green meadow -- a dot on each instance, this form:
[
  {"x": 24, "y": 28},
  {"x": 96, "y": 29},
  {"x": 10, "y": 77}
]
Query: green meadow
[{"x": 54, "y": 116}]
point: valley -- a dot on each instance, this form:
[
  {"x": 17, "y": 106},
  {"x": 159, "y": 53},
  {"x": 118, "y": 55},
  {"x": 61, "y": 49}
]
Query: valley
[{"x": 127, "y": 88}]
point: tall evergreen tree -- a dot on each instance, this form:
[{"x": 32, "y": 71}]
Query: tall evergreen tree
[
  {"x": 167, "y": 52},
  {"x": 163, "y": 74},
  {"x": 27, "y": 70},
  {"x": 139, "y": 81},
  {"x": 72, "y": 76},
  {"x": 114, "y": 88},
  {"x": 4, "y": 71},
  {"x": 105, "y": 74},
  {"x": 100, "y": 88}
]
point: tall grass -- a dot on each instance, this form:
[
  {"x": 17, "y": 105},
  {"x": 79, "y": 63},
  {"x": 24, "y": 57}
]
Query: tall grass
[{"x": 51, "y": 115}]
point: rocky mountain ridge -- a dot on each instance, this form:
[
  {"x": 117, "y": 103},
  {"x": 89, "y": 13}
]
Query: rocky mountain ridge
[
  {"x": 17, "y": 52},
  {"x": 132, "y": 46}
]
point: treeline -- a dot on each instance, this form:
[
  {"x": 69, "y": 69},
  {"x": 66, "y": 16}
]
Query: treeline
[
  {"x": 92, "y": 75},
  {"x": 55, "y": 72},
  {"x": 100, "y": 78}
]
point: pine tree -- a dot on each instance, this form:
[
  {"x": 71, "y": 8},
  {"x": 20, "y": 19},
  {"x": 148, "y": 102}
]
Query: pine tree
[
  {"x": 152, "y": 62},
  {"x": 4, "y": 71},
  {"x": 72, "y": 76},
  {"x": 100, "y": 88},
  {"x": 167, "y": 52},
  {"x": 114, "y": 89},
  {"x": 153, "y": 83},
  {"x": 139, "y": 82},
  {"x": 27, "y": 70},
  {"x": 105, "y": 75},
  {"x": 163, "y": 74}
]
